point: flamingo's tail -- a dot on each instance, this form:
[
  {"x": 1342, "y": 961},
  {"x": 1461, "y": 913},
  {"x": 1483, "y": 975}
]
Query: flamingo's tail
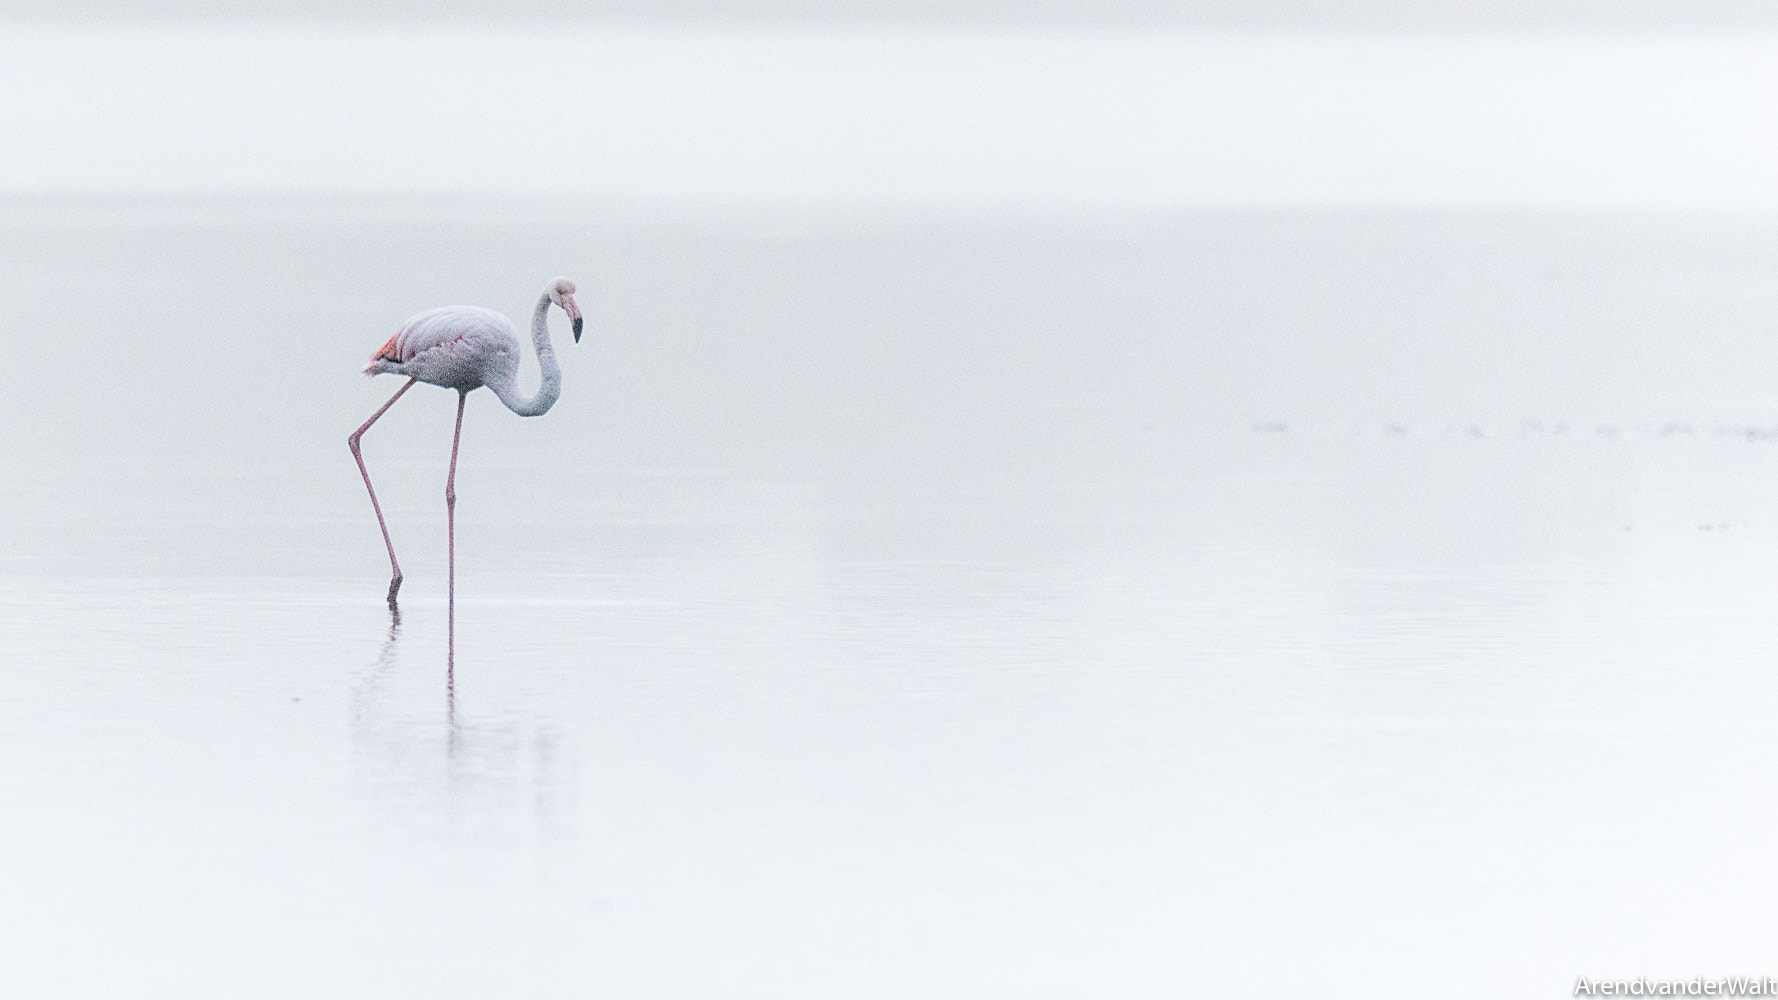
[{"x": 387, "y": 359}]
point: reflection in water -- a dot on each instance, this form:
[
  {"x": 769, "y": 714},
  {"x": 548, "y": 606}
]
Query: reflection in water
[
  {"x": 451, "y": 686},
  {"x": 388, "y": 653},
  {"x": 1045, "y": 665},
  {"x": 451, "y": 669},
  {"x": 369, "y": 688},
  {"x": 506, "y": 772}
]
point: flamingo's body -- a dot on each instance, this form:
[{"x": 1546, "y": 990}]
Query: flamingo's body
[
  {"x": 464, "y": 348},
  {"x": 451, "y": 346}
]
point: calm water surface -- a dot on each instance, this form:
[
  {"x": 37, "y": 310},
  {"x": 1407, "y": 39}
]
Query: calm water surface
[{"x": 1243, "y": 604}]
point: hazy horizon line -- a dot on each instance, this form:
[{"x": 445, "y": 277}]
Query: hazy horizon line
[
  {"x": 1288, "y": 16},
  {"x": 921, "y": 116}
]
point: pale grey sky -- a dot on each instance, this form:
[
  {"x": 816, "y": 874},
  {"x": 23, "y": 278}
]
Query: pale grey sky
[
  {"x": 1237, "y": 14},
  {"x": 949, "y": 116},
  {"x": 1020, "y": 111}
]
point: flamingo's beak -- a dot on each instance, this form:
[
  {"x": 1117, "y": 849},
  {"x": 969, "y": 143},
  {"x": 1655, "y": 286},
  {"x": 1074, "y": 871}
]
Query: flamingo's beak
[{"x": 573, "y": 314}]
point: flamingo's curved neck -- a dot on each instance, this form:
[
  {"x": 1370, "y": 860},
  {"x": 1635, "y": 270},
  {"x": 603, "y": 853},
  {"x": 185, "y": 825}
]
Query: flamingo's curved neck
[{"x": 507, "y": 387}]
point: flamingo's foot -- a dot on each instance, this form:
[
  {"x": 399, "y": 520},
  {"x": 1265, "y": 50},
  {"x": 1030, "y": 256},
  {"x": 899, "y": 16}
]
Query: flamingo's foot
[{"x": 394, "y": 586}]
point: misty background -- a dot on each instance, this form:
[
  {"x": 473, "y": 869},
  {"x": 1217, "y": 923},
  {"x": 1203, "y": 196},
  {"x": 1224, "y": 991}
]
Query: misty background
[
  {"x": 1586, "y": 104},
  {"x": 1126, "y": 499},
  {"x": 1272, "y": 15}
]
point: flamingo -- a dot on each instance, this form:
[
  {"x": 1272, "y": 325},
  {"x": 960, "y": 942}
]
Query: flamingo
[{"x": 464, "y": 348}]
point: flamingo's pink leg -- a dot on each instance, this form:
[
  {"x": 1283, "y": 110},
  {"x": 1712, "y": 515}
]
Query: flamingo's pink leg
[
  {"x": 451, "y": 536},
  {"x": 394, "y": 567}
]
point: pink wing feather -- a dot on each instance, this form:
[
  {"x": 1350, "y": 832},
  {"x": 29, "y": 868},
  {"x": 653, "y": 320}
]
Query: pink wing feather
[
  {"x": 389, "y": 351},
  {"x": 449, "y": 329},
  {"x": 424, "y": 332}
]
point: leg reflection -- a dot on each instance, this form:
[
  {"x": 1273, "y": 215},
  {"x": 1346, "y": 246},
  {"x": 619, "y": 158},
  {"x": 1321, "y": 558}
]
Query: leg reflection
[
  {"x": 450, "y": 707},
  {"x": 368, "y": 690},
  {"x": 511, "y": 767}
]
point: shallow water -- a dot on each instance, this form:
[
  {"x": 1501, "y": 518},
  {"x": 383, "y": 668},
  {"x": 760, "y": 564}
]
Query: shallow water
[{"x": 1230, "y": 604}]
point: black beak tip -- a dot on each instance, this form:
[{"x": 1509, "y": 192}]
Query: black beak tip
[{"x": 577, "y": 323}]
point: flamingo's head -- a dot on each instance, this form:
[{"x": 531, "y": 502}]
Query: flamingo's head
[{"x": 561, "y": 292}]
